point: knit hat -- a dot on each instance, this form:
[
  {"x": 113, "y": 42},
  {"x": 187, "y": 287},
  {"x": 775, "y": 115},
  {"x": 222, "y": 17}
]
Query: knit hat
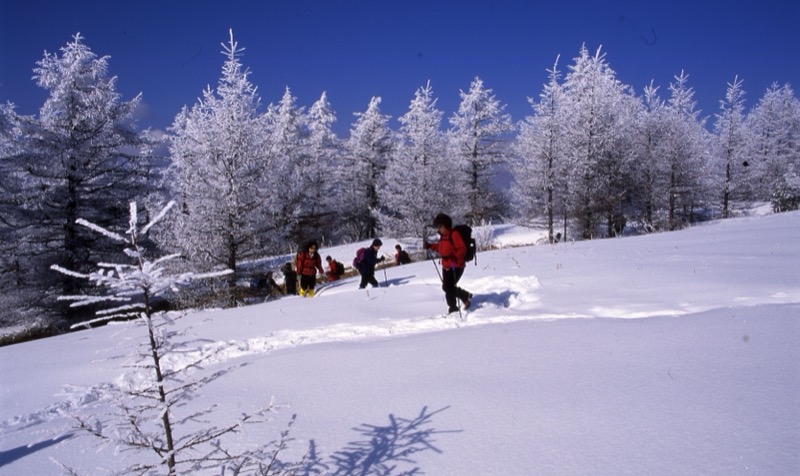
[{"x": 377, "y": 242}]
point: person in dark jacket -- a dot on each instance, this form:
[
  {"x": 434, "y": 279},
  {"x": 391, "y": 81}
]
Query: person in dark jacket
[
  {"x": 289, "y": 278},
  {"x": 401, "y": 256},
  {"x": 265, "y": 283},
  {"x": 452, "y": 249},
  {"x": 367, "y": 266},
  {"x": 308, "y": 263}
]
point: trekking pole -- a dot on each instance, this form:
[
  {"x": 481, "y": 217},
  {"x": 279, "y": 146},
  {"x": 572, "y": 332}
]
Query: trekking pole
[
  {"x": 433, "y": 260},
  {"x": 458, "y": 304},
  {"x": 429, "y": 254}
]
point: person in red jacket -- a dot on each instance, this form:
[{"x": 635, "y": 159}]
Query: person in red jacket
[
  {"x": 335, "y": 269},
  {"x": 452, "y": 249},
  {"x": 308, "y": 263}
]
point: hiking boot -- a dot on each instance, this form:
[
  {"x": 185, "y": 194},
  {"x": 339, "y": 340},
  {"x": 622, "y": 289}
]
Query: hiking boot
[
  {"x": 468, "y": 302},
  {"x": 452, "y": 310}
]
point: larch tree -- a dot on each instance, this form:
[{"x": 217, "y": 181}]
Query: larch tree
[
  {"x": 219, "y": 169},
  {"x": 731, "y": 146},
  {"x": 285, "y": 128},
  {"x": 479, "y": 136},
  {"x": 541, "y": 166},
  {"x": 16, "y": 278},
  {"x": 774, "y": 126},
  {"x": 600, "y": 111},
  {"x": 363, "y": 165},
  {"x": 418, "y": 183},
  {"x": 80, "y": 157},
  {"x": 317, "y": 166},
  {"x": 652, "y": 130},
  {"x": 686, "y": 166}
]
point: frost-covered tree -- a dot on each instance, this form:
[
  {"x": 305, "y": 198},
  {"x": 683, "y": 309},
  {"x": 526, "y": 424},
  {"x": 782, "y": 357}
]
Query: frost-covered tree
[
  {"x": 686, "y": 154},
  {"x": 154, "y": 416},
  {"x": 80, "y": 157},
  {"x": 479, "y": 134},
  {"x": 316, "y": 172},
  {"x": 368, "y": 150},
  {"x": 418, "y": 182},
  {"x": 731, "y": 146},
  {"x": 6, "y": 129},
  {"x": 671, "y": 156},
  {"x": 652, "y": 131},
  {"x": 786, "y": 193},
  {"x": 220, "y": 166},
  {"x": 16, "y": 279},
  {"x": 541, "y": 166},
  {"x": 774, "y": 127},
  {"x": 600, "y": 112},
  {"x": 285, "y": 131},
  {"x": 663, "y": 180},
  {"x": 11, "y": 181}
]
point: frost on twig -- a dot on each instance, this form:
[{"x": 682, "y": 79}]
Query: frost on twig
[{"x": 153, "y": 414}]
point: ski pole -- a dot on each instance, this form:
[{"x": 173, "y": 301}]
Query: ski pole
[
  {"x": 429, "y": 254},
  {"x": 385, "y": 279},
  {"x": 458, "y": 304},
  {"x": 437, "y": 268}
]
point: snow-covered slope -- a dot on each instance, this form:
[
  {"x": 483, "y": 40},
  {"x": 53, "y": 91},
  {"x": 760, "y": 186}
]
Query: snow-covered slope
[{"x": 673, "y": 353}]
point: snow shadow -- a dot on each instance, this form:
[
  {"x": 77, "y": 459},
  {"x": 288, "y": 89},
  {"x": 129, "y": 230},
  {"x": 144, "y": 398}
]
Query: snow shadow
[
  {"x": 333, "y": 284},
  {"x": 497, "y": 299},
  {"x": 385, "y": 450},
  {"x": 19, "y": 452},
  {"x": 395, "y": 281},
  {"x": 383, "y": 282}
]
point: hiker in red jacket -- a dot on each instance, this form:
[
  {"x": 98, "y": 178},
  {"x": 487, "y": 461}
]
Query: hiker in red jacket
[
  {"x": 452, "y": 249},
  {"x": 335, "y": 269},
  {"x": 308, "y": 263}
]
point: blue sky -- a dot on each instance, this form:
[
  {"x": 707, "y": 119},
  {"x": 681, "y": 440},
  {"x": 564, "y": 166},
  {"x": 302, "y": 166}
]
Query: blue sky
[{"x": 170, "y": 50}]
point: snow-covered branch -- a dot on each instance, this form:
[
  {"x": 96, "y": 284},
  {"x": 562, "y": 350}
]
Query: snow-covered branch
[{"x": 101, "y": 230}]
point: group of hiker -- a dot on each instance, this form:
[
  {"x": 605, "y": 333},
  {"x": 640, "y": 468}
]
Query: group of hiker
[{"x": 451, "y": 246}]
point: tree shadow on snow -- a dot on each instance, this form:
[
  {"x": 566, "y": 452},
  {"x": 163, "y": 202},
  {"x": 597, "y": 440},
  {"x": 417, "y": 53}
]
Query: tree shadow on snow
[
  {"x": 387, "y": 450},
  {"x": 19, "y": 452}
]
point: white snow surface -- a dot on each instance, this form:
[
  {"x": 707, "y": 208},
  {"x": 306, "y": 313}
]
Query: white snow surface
[{"x": 671, "y": 353}]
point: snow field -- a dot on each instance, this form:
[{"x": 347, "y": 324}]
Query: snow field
[{"x": 673, "y": 353}]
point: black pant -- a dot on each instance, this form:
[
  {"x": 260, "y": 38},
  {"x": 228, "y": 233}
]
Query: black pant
[
  {"x": 368, "y": 277},
  {"x": 291, "y": 282},
  {"x": 452, "y": 292},
  {"x": 307, "y": 282}
]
